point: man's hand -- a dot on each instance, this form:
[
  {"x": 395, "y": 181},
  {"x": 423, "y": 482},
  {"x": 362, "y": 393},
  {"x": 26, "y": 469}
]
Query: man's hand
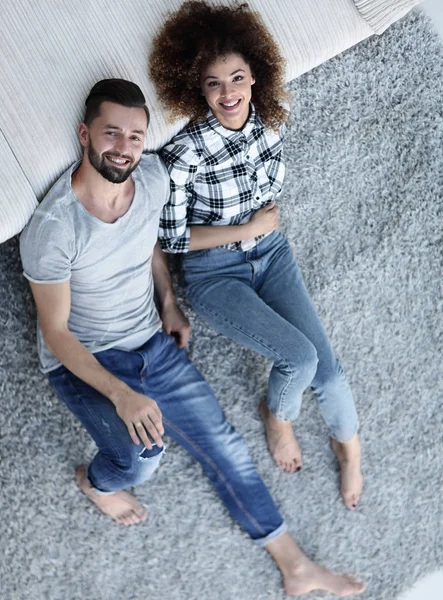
[
  {"x": 176, "y": 324},
  {"x": 141, "y": 416}
]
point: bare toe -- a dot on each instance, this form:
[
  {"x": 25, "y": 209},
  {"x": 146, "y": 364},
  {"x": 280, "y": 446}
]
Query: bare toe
[
  {"x": 125, "y": 519},
  {"x": 142, "y": 514},
  {"x": 351, "y": 500}
]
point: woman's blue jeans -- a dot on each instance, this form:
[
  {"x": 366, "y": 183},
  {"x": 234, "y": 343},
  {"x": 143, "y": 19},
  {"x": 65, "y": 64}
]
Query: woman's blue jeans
[
  {"x": 258, "y": 299},
  {"x": 191, "y": 415}
]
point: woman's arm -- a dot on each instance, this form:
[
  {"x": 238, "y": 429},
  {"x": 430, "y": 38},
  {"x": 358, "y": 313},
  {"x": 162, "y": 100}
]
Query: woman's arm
[{"x": 263, "y": 221}]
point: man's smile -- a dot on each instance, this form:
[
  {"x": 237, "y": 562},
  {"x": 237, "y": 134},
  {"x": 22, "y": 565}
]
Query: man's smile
[{"x": 117, "y": 160}]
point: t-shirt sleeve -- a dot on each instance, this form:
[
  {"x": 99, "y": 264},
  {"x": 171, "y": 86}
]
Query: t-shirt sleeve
[
  {"x": 165, "y": 197},
  {"x": 46, "y": 249},
  {"x": 155, "y": 178}
]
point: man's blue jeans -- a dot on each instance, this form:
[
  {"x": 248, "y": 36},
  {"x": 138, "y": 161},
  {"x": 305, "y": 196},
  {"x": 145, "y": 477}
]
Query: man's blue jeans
[
  {"x": 258, "y": 299},
  {"x": 191, "y": 415}
]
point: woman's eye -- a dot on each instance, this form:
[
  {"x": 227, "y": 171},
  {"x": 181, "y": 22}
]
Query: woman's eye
[
  {"x": 238, "y": 78},
  {"x": 212, "y": 83}
]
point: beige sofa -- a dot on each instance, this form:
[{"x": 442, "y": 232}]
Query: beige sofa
[{"x": 52, "y": 52}]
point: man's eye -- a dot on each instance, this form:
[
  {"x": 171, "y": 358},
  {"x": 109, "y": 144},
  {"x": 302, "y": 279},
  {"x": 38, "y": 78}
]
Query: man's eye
[
  {"x": 135, "y": 139},
  {"x": 112, "y": 133}
]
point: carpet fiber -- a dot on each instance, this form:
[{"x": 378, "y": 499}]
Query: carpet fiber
[{"x": 361, "y": 205}]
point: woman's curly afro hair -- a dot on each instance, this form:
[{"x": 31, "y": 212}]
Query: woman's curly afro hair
[{"x": 194, "y": 37}]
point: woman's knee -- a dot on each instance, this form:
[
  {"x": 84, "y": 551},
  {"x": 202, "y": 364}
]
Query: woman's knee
[
  {"x": 328, "y": 373},
  {"x": 310, "y": 362},
  {"x": 301, "y": 362}
]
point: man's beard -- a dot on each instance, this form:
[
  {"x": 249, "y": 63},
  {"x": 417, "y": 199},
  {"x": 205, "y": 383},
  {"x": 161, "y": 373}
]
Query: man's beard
[{"x": 110, "y": 173}]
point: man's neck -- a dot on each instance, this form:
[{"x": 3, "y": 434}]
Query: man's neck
[{"x": 105, "y": 200}]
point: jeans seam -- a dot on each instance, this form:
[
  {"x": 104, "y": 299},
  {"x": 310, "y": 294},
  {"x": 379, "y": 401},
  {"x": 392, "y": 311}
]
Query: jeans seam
[
  {"x": 219, "y": 473},
  {"x": 250, "y": 335},
  {"x": 283, "y": 396},
  {"x": 148, "y": 365}
]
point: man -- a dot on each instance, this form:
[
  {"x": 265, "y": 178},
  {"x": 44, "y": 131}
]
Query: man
[{"x": 91, "y": 257}]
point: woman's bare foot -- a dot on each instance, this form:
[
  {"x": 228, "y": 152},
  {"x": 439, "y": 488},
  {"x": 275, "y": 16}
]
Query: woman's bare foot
[
  {"x": 120, "y": 506},
  {"x": 282, "y": 444},
  {"x": 301, "y": 575},
  {"x": 349, "y": 457}
]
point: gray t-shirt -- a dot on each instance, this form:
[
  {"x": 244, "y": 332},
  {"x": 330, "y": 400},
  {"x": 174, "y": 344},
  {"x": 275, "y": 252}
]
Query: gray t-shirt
[{"x": 108, "y": 264}]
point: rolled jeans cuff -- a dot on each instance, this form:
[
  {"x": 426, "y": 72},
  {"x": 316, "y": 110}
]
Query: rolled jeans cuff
[
  {"x": 272, "y": 536},
  {"x": 96, "y": 490}
]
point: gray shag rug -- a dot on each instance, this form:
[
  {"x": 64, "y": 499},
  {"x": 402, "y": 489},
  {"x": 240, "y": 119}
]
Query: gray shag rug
[{"x": 361, "y": 204}]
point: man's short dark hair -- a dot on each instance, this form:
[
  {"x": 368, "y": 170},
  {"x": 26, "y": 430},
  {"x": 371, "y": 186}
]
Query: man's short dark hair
[{"x": 118, "y": 91}]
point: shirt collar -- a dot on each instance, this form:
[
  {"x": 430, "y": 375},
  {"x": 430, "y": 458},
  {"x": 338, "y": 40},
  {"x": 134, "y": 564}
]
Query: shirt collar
[{"x": 253, "y": 122}]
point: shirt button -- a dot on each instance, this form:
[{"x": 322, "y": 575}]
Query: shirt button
[{"x": 247, "y": 156}]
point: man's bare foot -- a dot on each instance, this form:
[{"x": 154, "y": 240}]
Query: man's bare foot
[
  {"x": 120, "y": 506},
  {"x": 282, "y": 444},
  {"x": 349, "y": 457},
  {"x": 301, "y": 575},
  {"x": 307, "y": 576}
]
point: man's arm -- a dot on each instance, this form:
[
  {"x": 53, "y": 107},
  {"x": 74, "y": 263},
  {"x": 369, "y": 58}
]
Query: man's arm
[
  {"x": 174, "y": 321},
  {"x": 140, "y": 413}
]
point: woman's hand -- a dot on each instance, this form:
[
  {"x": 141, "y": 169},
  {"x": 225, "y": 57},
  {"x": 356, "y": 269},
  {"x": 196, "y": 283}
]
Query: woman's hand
[{"x": 264, "y": 220}]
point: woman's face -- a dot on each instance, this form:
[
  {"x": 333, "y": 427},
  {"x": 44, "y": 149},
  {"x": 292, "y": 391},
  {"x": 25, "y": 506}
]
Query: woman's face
[{"x": 226, "y": 84}]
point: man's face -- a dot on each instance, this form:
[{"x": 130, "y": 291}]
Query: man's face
[{"x": 114, "y": 140}]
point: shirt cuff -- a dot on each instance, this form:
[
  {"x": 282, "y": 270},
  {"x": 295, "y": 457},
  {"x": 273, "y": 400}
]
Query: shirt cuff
[{"x": 176, "y": 245}]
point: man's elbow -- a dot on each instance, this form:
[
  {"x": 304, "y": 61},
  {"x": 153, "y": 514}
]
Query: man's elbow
[{"x": 54, "y": 336}]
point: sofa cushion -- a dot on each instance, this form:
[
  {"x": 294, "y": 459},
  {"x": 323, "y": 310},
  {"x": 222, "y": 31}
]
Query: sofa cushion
[
  {"x": 51, "y": 53},
  {"x": 379, "y": 14},
  {"x": 17, "y": 198}
]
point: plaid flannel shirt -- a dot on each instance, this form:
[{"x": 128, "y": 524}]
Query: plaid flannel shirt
[{"x": 219, "y": 177}]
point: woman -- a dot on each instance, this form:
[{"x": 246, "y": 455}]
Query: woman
[{"x": 220, "y": 67}]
